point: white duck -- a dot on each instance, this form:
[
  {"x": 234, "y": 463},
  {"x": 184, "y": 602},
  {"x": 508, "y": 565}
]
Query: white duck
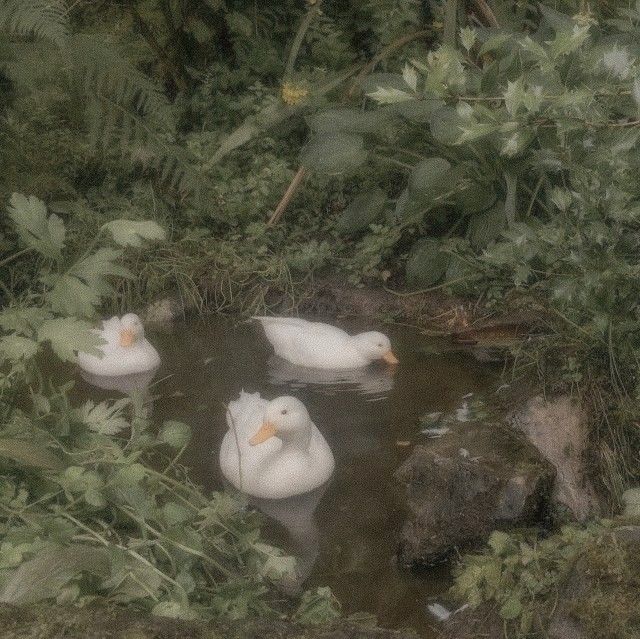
[
  {"x": 126, "y": 350},
  {"x": 318, "y": 345},
  {"x": 272, "y": 449}
]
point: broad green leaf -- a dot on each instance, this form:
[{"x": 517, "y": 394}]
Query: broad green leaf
[
  {"x": 377, "y": 81},
  {"x": 427, "y": 264},
  {"x": 333, "y": 154},
  {"x": 29, "y": 453},
  {"x": 468, "y": 37},
  {"x": 447, "y": 125},
  {"x": 69, "y": 335},
  {"x": 130, "y": 578},
  {"x": 175, "y": 434},
  {"x": 332, "y": 121},
  {"x": 174, "y": 610},
  {"x": 410, "y": 76},
  {"x": 390, "y": 96},
  {"x": 486, "y": 227},
  {"x": 44, "y": 576},
  {"x": 36, "y": 230},
  {"x": 417, "y": 110},
  {"x": 14, "y": 348},
  {"x": 499, "y": 542},
  {"x": 134, "y": 232},
  {"x": 362, "y": 211},
  {"x": 431, "y": 176}
]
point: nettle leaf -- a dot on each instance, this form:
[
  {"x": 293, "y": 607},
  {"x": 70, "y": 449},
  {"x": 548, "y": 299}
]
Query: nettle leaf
[
  {"x": 68, "y": 335},
  {"x": 276, "y": 565},
  {"x": 23, "y": 320},
  {"x": 175, "y": 434},
  {"x": 104, "y": 418},
  {"x": 362, "y": 211},
  {"x": 447, "y": 125},
  {"x": 44, "y": 576},
  {"x": 333, "y": 154},
  {"x": 134, "y": 232},
  {"x": 174, "y": 610},
  {"x": 44, "y": 234},
  {"x": 317, "y": 606},
  {"x": 80, "y": 289},
  {"x": 427, "y": 264},
  {"x": 14, "y": 348},
  {"x": 511, "y": 609}
]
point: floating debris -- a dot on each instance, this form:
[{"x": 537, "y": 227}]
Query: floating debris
[
  {"x": 403, "y": 443},
  {"x": 435, "y": 432},
  {"x": 439, "y": 611}
]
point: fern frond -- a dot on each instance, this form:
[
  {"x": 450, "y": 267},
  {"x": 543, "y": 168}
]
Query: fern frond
[{"x": 46, "y": 19}]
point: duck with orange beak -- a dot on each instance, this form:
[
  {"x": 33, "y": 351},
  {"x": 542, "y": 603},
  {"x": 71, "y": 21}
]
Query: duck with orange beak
[
  {"x": 319, "y": 345},
  {"x": 126, "y": 351},
  {"x": 272, "y": 449}
]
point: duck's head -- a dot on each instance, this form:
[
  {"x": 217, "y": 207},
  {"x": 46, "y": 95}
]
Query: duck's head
[
  {"x": 374, "y": 345},
  {"x": 286, "y": 418},
  {"x": 131, "y": 330}
]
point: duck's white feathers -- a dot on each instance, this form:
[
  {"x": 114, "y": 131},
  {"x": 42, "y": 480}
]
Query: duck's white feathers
[
  {"x": 119, "y": 360},
  {"x": 312, "y": 344},
  {"x": 266, "y": 470}
]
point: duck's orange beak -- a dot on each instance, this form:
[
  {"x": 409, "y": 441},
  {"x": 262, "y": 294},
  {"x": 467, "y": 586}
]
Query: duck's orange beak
[
  {"x": 267, "y": 431},
  {"x": 127, "y": 337},
  {"x": 390, "y": 358}
]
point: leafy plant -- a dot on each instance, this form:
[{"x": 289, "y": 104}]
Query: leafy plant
[{"x": 92, "y": 500}]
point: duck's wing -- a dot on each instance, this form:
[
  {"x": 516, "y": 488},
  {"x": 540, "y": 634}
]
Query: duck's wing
[{"x": 285, "y": 332}]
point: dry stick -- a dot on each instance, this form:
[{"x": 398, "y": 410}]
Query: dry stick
[
  {"x": 235, "y": 435},
  {"x": 387, "y": 51},
  {"x": 487, "y": 13},
  {"x": 288, "y": 195}
]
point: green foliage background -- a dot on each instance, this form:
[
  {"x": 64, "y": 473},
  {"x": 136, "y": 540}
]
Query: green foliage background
[{"x": 486, "y": 148}]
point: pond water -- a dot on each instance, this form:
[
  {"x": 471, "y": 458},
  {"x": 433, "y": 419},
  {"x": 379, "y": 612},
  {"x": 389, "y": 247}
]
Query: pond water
[{"x": 370, "y": 419}]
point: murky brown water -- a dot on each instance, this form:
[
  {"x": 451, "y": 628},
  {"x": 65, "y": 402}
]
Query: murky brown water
[{"x": 367, "y": 418}]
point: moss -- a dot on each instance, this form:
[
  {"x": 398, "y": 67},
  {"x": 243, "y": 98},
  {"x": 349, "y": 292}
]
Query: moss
[{"x": 609, "y": 607}]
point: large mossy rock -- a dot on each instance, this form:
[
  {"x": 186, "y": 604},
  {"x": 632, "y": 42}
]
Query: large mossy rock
[
  {"x": 98, "y": 622},
  {"x": 463, "y": 486}
]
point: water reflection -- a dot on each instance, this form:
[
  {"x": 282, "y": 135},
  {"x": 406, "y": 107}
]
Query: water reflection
[
  {"x": 374, "y": 382},
  {"x": 296, "y": 515},
  {"x": 125, "y": 384}
]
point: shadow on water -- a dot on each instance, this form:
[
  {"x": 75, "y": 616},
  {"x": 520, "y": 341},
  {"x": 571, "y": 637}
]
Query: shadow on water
[{"x": 343, "y": 534}]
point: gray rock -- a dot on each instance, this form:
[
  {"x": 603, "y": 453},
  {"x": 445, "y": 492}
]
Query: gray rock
[
  {"x": 455, "y": 501},
  {"x": 557, "y": 428}
]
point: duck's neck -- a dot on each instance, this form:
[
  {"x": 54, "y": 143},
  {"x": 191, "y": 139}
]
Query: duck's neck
[{"x": 298, "y": 440}]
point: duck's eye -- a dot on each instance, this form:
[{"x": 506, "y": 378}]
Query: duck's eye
[
  {"x": 379, "y": 345},
  {"x": 283, "y": 411}
]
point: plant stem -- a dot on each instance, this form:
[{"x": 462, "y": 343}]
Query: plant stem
[
  {"x": 15, "y": 256},
  {"x": 450, "y": 22},
  {"x": 312, "y": 12}
]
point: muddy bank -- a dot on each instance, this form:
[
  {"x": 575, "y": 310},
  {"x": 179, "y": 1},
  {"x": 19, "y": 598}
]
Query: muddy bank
[{"x": 101, "y": 622}]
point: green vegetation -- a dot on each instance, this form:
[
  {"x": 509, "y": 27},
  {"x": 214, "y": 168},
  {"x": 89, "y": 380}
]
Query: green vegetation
[
  {"x": 488, "y": 148},
  {"x": 590, "y": 573},
  {"x": 93, "y": 501}
]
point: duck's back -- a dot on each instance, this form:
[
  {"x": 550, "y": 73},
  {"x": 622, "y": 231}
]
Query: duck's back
[{"x": 312, "y": 344}]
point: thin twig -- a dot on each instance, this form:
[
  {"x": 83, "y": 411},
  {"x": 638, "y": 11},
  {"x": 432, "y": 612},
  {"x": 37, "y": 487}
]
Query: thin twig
[
  {"x": 235, "y": 435},
  {"x": 288, "y": 195}
]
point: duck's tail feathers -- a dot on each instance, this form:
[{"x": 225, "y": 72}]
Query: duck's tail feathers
[{"x": 238, "y": 408}]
